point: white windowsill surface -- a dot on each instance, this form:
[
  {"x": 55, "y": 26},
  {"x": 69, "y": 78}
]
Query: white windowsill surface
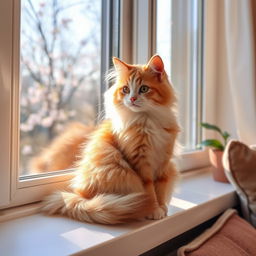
[{"x": 197, "y": 198}]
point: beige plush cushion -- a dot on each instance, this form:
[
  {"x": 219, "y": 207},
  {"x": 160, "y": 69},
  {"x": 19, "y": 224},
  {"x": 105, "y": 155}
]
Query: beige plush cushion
[
  {"x": 239, "y": 162},
  {"x": 229, "y": 236}
]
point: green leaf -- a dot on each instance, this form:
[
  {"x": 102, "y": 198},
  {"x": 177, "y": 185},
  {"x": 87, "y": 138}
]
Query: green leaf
[
  {"x": 225, "y": 135},
  {"x": 211, "y": 127},
  {"x": 213, "y": 143}
]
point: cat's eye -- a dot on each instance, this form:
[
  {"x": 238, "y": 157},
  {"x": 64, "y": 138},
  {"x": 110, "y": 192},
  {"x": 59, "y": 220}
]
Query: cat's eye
[
  {"x": 143, "y": 89},
  {"x": 126, "y": 90}
]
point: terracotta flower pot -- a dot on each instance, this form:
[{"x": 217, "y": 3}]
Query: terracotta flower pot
[{"x": 218, "y": 169}]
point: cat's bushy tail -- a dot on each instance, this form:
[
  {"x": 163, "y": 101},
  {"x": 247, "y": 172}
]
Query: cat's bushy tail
[{"x": 103, "y": 208}]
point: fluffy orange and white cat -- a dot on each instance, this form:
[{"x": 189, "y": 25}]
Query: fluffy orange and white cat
[{"x": 125, "y": 172}]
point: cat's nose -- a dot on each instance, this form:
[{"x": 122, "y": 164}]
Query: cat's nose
[{"x": 132, "y": 99}]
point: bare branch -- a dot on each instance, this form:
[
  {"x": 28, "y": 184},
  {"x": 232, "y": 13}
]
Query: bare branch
[
  {"x": 54, "y": 24},
  {"x": 74, "y": 89},
  {"x": 45, "y": 44},
  {"x": 35, "y": 76}
]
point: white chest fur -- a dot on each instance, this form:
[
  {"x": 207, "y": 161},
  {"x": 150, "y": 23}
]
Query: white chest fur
[{"x": 159, "y": 139}]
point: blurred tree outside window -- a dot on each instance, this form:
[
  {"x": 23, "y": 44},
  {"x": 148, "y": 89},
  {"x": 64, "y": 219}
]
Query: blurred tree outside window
[{"x": 60, "y": 53}]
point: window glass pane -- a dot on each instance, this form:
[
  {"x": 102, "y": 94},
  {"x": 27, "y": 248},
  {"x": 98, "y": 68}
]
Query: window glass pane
[
  {"x": 60, "y": 55},
  {"x": 178, "y": 41}
]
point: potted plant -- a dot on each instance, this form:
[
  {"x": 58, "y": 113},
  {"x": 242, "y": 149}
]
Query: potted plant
[{"x": 216, "y": 151}]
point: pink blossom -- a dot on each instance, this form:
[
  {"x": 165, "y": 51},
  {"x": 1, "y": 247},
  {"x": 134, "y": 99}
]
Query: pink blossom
[
  {"x": 59, "y": 127},
  {"x": 84, "y": 41},
  {"x": 26, "y": 127},
  {"x": 47, "y": 121},
  {"x": 74, "y": 82},
  {"x": 44, "y": 70},
  {"x": 62, "y": 115},
  {"x": 66, "y": 21},
  {"x": 37, "y": 94},
  {"x": 26, "y": 150},
  {"x": 23, "y": 101},
  {"x": 55, "y": 31},
  {"x": 60, "y": 79},
  {"x": 72, "y": 113},
  {"x": 42, "y": 4},
  {"x": 53, "y": 97},
  {"x": 33, "y": 120}
]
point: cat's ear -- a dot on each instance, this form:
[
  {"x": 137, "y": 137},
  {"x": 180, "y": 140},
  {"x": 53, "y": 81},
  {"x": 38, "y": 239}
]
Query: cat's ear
[
  {"x": 120, "y": 66},
  {"x": 156, "y": 64}
]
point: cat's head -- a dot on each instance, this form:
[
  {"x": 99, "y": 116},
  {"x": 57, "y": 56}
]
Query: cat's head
[{"x": 140, "y": 88}]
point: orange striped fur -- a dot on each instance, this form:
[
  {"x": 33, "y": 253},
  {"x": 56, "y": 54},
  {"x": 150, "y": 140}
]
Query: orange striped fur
[
  {"x": 64, "y": 151},
  {"x": 126, "y": 172}
]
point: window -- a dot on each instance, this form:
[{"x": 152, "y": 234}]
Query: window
[
  {"x": 53, "y": 58},
  {"x": 179, "y": 41},
  {"x": 60, "y": 55}
]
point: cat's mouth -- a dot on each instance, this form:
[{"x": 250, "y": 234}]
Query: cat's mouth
[
  {"x": 134, "y": 105},
  {"x": 135, "y": 108}
]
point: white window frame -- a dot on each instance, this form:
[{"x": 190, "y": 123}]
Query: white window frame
[
  {"x": 5, "y": 98},
  {"x": 132, "y": 50}
]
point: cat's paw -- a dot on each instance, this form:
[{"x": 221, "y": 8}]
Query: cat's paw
[
  {"x": 164, "y": 207},
  {"x": 157, "y": 214}
]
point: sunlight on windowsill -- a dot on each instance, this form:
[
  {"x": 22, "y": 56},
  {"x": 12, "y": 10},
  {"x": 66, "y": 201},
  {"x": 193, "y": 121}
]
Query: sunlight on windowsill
[
  {"x": 182, "y": 204},
  {"x": 80, "y": 235}
]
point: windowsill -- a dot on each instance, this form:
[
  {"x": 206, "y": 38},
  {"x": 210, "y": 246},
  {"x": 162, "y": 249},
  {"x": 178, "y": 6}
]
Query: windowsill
[{"x": 197, "y": 198}]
